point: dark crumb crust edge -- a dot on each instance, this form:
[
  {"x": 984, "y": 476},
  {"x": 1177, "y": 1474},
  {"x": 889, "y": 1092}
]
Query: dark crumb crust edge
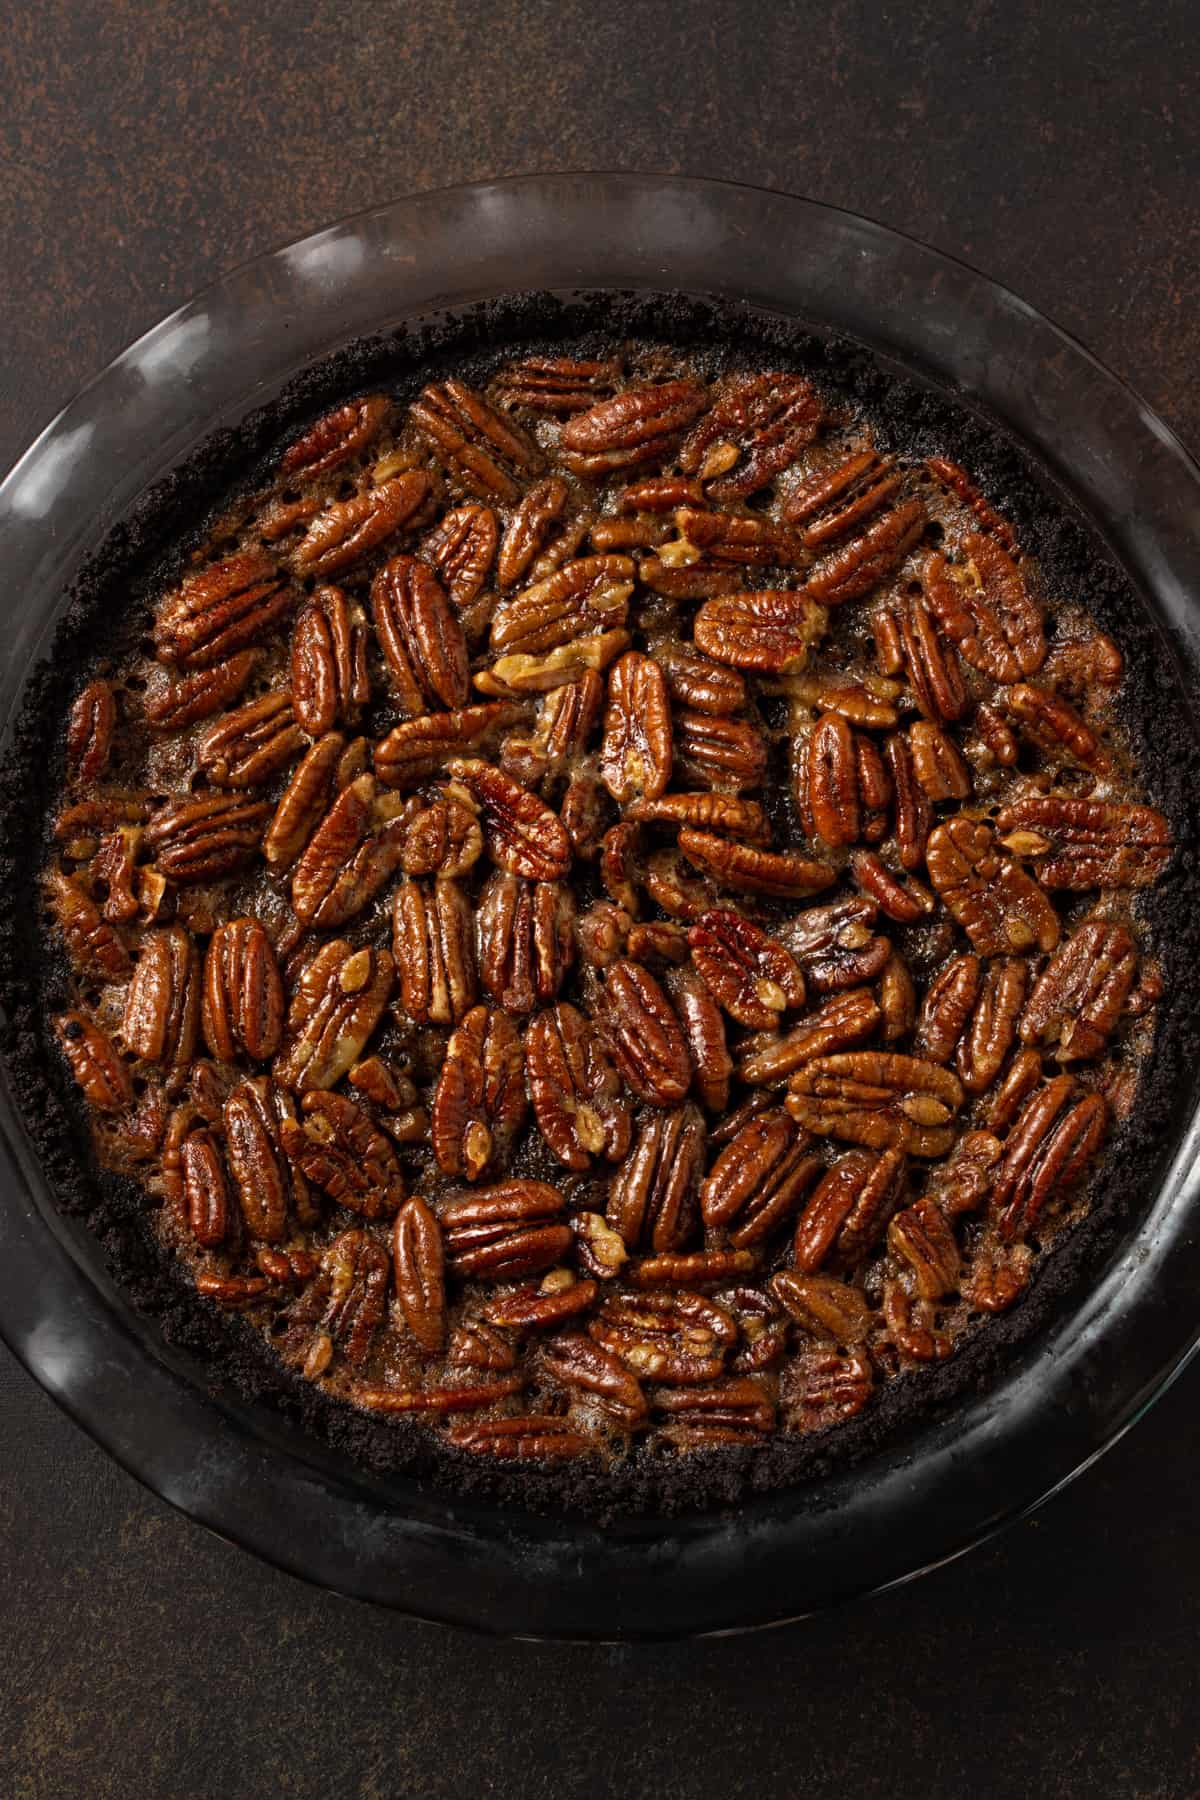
[{"x": 146, "y": 548}]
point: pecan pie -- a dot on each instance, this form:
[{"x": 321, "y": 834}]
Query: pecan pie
[{"x": 602, "y": 911}]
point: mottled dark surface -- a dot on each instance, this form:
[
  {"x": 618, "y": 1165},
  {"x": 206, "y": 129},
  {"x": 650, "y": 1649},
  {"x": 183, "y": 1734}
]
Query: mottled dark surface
[{"x": 143, "y": 149}]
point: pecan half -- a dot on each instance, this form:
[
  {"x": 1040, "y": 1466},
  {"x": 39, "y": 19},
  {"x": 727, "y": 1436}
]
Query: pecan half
[
  {"x": 536, "y": 1309},
  {"x": 878, "y": 1098},
  {"x": 843, "y": 1022},
  {"x": 868, "y": 559},
  {"x": 338, "y": 1149},
  {"x": 204, "y": 839},
  {"x": 1020, "y": 1079},
  {"x": 1082, "y": 661},
  {"x": 461, "y": 551},
  {"x": 183, "y": 700},
  {"x": 483, "y": 451},
  {"x": 758, "y": 1180},
  {"x": 354, "y": 1279},
  {"x": 347, "y": 529},
  {"x": 92, "y": 945},
  {"x": 907, "y": 642},
  {"x": 695, "y": 681},
  {"x": 687, "y": 577},
  {"x": 1053, "y": 725},
  {"x": 722, "y": 753},
  {"x": 470, "y": 1398},
  {"x": 960, "y": 483},
  {"x": 102, "y": 1077},
  {"x": 964, "y": 1181},
  {"x": 905, "y": 901},
  {"x": 824, "y": 1307},
  {"x": 847, "y": 1212},
  {"x": 733, "y": 1411},
  {"x": 529, "y": 1437},
  {"x": 268, "y": 1185},
  {"x": 726, "y": 814},
  {"x": 870, "y": 703},
  {"x": 501, "y": 1233},
  {"x": 740, "y": 538},
  {"x": 242, "y": 1008},
  {"x": 523, "y": 836},
  {"x": 748, "y": 973},
  {"x": 679, "y": 1339},
  {"x": 304, "y": 800},
  {"x": 1046, "y": 1154},
  {"x": 417, "y": 748},
  {"x": 205, "y": 1188},
  {"x": 988, "y": 1038},
  {"x": 783, "y": 874},
  {"x": 1079, "y": 844},
  {"x": 418, "y": 1262},
  {"x": 526, "y": 939},
  {"x": 248, "y": 747},
  {"x": 576, "y": 1092},
  {"x": 355, "y": 849},
  {"x": 825, "y": 1387},
  {"x": 828, "y": 782},
  {"x": 921, "y": 1237},
  {"x": 476, "y": 1345},
  {"x": 998, "y": 1277},
  {"x": 834, "y": 944},
  {"x": 948, "y": 1004},
  {"x": 767, "y": 419},
  {"x": 220, "y": 609},
  {"x": 637, "y": 748},
  {"x": 652, "y": 1196},
  {"x": 441, "y": 838},
  {"x": 422, "y": 641},
  {"x": 557, "y": 384},
  {"x": 912, "y": 1325},
  {"x": 939, "y": 768},
  {"x": 434, "y": 944},
  {"x": 633, "y": 427},
  {"x": 1080, "y": 995},
  {"x": 162, "y": 1004},
  {"x": 336, "y": 437},
  {"x": 998, "y": 905},
  {"x": 913, "y": 813},
  {"x": 984, "y": 607},
  {"x": 704, "y": 1032},
  {"x": 479, "y": 1103},
  {"x": 337, "y": 1001},
  {"x": 579, "y": 1362},
  {"x": 582, "y": 598},
  {"x": 529, "y": 528},
  {"x": 90, "y": 727},
  {"x": 839, "y": 497},
  {"x": 330, "y": 683},
  {"x": 769, "y": 630}
]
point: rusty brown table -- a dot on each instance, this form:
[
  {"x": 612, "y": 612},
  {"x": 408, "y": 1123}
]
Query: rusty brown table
[{"x": 145, "y": 147}]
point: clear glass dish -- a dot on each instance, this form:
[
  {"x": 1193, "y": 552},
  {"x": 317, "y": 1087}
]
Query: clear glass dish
[{"x": 243, "y": 1471}]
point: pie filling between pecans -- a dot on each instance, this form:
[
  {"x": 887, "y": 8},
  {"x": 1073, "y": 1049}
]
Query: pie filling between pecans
[{"x": 603, "y": 911}]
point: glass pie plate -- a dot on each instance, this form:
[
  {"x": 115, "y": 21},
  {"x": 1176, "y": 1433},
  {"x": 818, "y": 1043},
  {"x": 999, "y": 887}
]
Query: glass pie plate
[{"x": 244, "y": 1471}]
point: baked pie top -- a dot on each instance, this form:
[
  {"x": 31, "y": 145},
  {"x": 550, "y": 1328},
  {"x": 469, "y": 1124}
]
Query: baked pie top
[{"x": 602, "y": 912}]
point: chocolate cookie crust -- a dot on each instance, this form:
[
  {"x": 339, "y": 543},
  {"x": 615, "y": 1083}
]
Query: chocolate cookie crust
[{"x": 906, "y": 419}]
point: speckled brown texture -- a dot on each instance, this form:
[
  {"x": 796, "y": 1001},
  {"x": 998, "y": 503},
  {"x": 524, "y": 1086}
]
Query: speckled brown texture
[
  {"x": 1055, "y": 147},
  {"x": 907, "y": 418}
]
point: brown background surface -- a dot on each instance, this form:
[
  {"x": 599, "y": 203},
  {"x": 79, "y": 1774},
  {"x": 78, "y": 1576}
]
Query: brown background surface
[{"x": 143, "y": 149}]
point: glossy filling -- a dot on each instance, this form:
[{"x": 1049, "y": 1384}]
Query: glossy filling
[{"x": 603, "y": 909}]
